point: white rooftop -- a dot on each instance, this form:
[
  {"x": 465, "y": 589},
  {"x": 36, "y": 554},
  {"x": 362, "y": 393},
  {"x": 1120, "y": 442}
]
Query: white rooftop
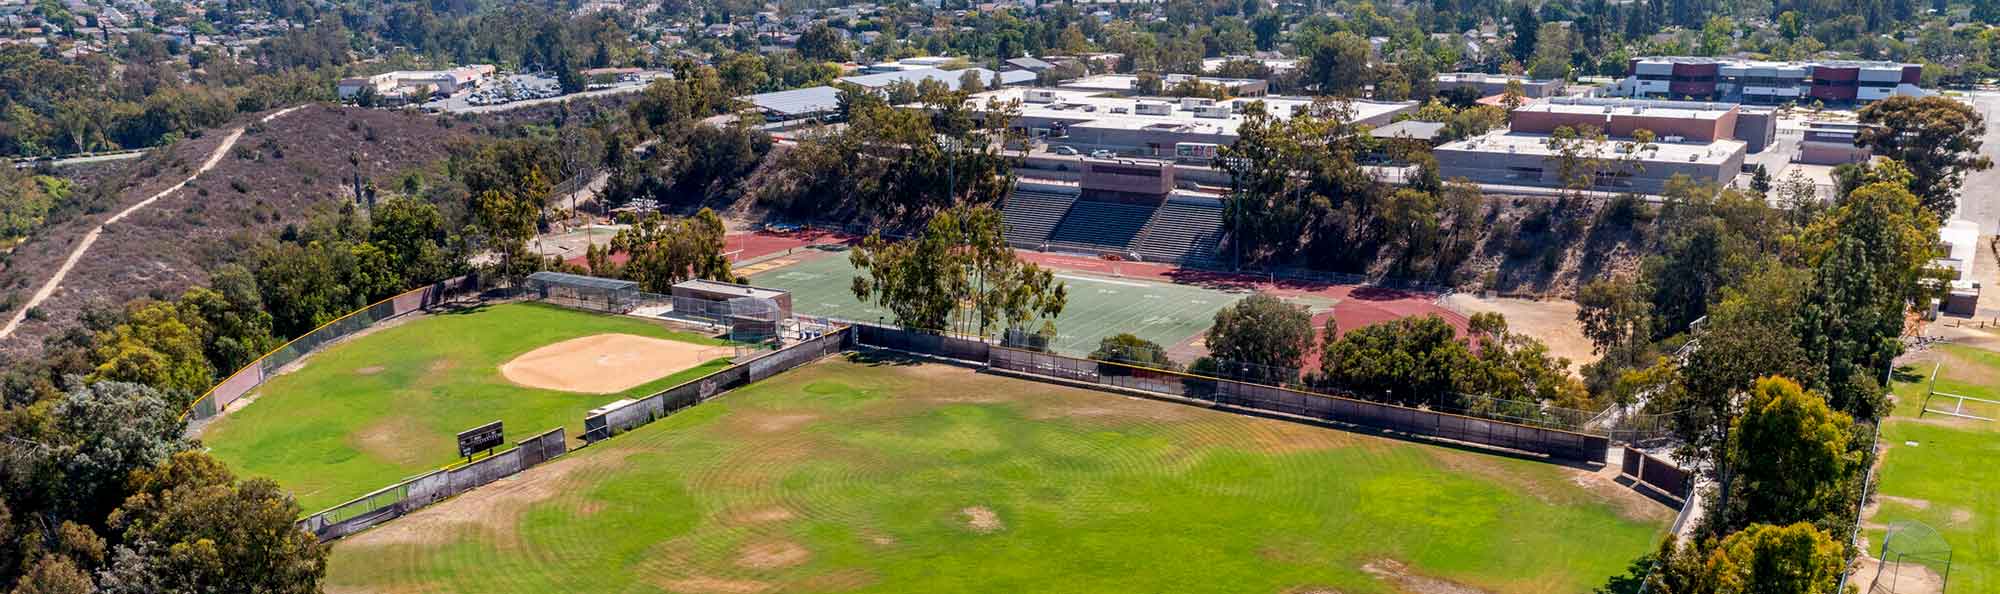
[
  {"x": 1101, "y": 110},
  {"x": 1708, "y": 153}
]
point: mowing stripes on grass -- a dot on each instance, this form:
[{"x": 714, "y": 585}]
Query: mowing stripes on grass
[
  {"x": 1939, "y": 470},
  {"x": 1098, "y": 307},
  {"x": 386, "y": 405},
  {"x": 890, "y": 476}
]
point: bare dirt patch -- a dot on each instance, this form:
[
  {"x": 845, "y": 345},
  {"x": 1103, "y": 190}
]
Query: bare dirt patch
[
  {"x": 369, "y": 370},
  {"x": 1396, "y": 573},
  {"x": 494, "y": 509},
  {"x": 1551, "y": 321},
  {"x": 982, "y": 520},
  {"x": 762, "y": 515},
  {"x": 1909, "y": 501},
  {"x": 776, "y": 554},
  {"x": 604, "y": 363},
  {"x": 877, "y": 538},
  {"x": 395, "y": 439},
  {"x": 1966, "y": 370},
  {"x": 715, "y": 585},
  {"x": 1908, "y": 578},
  {"x": 760, "y": 422}
]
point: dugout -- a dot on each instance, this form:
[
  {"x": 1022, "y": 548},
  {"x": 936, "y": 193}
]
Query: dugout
[
  {"x": 759, "y": 310},
  {"x": 585, "y": 292}
]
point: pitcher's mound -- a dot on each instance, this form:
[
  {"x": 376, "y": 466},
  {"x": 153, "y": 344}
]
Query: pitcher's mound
[{"x": 605, "y": 363}]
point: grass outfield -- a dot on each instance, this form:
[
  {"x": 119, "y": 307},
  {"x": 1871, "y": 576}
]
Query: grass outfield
[
  {"x": 1098, "y": 307},
  {"x": 386, "y": 406},
  {"x": 895, "y": 477},
  {"x": 1948, "y": 479}
]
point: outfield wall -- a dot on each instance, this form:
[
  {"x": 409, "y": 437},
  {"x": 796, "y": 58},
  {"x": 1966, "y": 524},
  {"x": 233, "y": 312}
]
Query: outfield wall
[
  {"x": 416, "y": 493},
  {"x": 1551, "y": 442},
  {"x": 250, "y": 376},
  {"x": 665, "y": 402}
]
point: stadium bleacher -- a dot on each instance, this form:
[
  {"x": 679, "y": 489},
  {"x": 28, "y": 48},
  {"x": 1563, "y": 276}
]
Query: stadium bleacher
[
  {"x": 1184, "y": 230},
  {"x": 1031, "y": 215},
  {"x": 1091, "y": 225}
]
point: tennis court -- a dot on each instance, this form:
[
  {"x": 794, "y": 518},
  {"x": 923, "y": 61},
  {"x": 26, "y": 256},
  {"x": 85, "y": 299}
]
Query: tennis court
[{"x": 1098, "y": 306}]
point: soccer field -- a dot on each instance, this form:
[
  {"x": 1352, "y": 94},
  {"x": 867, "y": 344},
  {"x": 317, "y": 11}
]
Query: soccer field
[
  {"x": 1937, "y": 468},
  {"x": 386, "y": 405},
  {"x": 1098, "y": 306},
  {"x": 895, "y": 476}
]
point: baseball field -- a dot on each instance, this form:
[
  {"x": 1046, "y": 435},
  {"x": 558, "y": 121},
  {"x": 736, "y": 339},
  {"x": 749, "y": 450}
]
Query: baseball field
[
  {"x": 386, "y": 405},
  {"x": 1936, "y": 469},
  {"x": 886, "y": 475}
]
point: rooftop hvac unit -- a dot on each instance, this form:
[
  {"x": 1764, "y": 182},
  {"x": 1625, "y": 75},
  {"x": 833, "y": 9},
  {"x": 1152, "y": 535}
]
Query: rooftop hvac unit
[
  {"x": 1213, "y": 111},
  {"x": 1673, "y": 138},
  {"x": 1196, "y": 102},
  {"x": 1040, "y": 96},
  {"x": 1159, "y": 109}
]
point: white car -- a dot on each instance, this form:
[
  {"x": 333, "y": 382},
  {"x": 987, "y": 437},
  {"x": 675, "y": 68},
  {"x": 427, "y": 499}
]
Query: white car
[
  {"x": 1103, "y": 154},
  {"x": 1065, "y": 151}
]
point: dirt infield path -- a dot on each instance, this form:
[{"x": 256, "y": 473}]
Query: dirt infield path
[{"x": 55, "y": 281}]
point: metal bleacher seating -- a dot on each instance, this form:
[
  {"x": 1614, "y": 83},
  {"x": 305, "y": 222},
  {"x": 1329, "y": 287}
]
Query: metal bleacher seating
[
  {"x": 1031, "y": 215},
  {"x": 1184, "y": 230}
]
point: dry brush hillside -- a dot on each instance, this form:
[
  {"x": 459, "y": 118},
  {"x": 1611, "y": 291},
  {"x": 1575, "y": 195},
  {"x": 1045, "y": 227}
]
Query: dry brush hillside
[{"x": 277, "y": 173}]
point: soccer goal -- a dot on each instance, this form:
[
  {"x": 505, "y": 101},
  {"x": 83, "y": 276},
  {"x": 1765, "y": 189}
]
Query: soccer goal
[{"x": 1956, "y": 405}]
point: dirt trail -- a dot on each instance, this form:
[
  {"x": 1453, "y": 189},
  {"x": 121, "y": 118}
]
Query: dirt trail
[{"x": 55, "y": 281}]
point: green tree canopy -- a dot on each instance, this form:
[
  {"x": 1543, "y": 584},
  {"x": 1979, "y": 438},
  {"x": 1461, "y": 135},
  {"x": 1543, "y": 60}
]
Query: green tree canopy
[
  {"x": 1788, "y": 458},
  {"x": 1937, "y": 137},
  {"x": 1261, "y": 338}
]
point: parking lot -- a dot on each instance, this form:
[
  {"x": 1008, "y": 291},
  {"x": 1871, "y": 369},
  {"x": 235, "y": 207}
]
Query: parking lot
[{"x": 511, "y": 91}]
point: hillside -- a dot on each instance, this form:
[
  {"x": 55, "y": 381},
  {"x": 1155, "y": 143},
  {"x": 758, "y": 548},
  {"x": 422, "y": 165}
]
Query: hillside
[{"x": 276, "y": 173}]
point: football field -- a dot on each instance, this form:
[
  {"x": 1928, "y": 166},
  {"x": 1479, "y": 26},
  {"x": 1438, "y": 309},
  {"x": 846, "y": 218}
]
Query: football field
[{"x": 1098, "y": 306}]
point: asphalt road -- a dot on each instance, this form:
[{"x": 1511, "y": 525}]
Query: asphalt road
[{"x": 1979, "y": 198}]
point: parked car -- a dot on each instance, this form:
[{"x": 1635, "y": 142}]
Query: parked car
[
  {"x": 1103, "y": 154},
  {"x": 1065, "y": 151}
]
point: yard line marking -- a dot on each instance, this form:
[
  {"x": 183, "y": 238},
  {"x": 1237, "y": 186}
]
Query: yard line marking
[{"x": 1089, "y": 279}]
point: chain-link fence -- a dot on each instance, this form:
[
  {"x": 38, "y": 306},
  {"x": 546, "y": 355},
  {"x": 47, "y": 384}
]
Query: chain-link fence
[
  {"x": 1415, "y": 421},
  {"x": 604, "y": 423},
  {"x": 250, "y": 376},
  {"x": 1914, "y": 559},
  {"x": 415, "y": 493},
  {"x": 1631, "y": 428}
]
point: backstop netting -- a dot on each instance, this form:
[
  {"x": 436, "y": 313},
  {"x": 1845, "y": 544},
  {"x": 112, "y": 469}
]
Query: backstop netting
[
  {"x": 592, "y": 293},
  {"x": 754, "y": 321},
  {"x": 1914, "y": 559}
]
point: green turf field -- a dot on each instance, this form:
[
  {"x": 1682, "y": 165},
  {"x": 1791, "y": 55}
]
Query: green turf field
[
  {"x": 890, "y": 476},
  {"x": 1098, "y": 306},
  {"x": 386, "y": 406},
  {"x": 1940, "y": 470}
]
